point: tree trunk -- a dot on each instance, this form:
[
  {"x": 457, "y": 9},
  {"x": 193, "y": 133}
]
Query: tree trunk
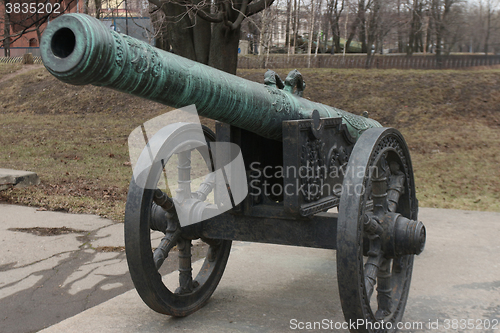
[
  {"x": 488, "y": 29},
  {"x": 428, "y": 39},
  {"x": 326, "y": 35},
  {"x": 38, "y": 32},
  {"x": 6, "y": 31},
  {"x": 311, "y": 30},
  {"x": 179, "y": 31},
  {"x": 223, "y": 43},
  {"x": 373, "y": 31},
  {"x": 287, "y": 28},
  {"x": 98, "y": 8},
  {"x": 296, "y": 24},
  {"x": 352, "y": 33},
  {"x": 412, "y": 32},
  {"x": 438, "y": 44},
  {"x": 196, "y": 31},
  {"x": 334, "y": 14},
  {"x": 439, "y": 36},
  {"x": 85, "y": 6},
  {"x": 362, "y": 25},
  {"x": 160, "y": 34},
  {"x": 400, "y": 33},
  {"x": 411, "y": 35},
  {"x": 336, "y": 40},
  {"x": 317, "y": 43}
]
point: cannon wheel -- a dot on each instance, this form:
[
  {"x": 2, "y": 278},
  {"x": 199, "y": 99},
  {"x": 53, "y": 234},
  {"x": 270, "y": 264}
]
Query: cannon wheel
[
  {"x": 381, "y": 306},
  {"x": 146, "y": 277}
]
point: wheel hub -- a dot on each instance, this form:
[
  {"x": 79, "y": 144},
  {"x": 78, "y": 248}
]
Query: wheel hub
[{"x": 402, "y": 236}]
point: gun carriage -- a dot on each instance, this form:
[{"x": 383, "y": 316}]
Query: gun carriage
[{"x": 365, "y": 168}]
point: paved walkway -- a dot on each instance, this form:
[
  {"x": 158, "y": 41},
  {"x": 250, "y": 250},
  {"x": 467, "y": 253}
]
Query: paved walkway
[
  {"x": 266, "y": 288},
  {"x": 55, "y": 265}
]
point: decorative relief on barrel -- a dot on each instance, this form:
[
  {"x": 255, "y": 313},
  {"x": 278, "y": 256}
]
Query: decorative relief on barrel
[
  {"x": 119, "y": 49},
  {"x": 143, "y": 57},
  {"x": 155, "y": 63},
  {"x": 279, "y": 100},
  {"x": 359, "y": 123}
]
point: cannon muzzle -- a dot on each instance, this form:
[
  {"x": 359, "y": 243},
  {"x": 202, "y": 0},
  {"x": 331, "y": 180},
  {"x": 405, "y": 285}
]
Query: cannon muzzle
[{"x": 79, "y": 49}]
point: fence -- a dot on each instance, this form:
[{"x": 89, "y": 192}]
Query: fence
[
  {"x": 20, "y": 51},
  {"x": 11, "y": 60},
  {"x": 331, "y": 61},
  {"x": 377, "y": 61}
]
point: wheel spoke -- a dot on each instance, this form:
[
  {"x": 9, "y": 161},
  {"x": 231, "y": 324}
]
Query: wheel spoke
[
  {"x": 163, "y": 200},
  {"x": 185, "y": 269},
  {"x": 205, "y": 187},
  {"x": 166, "y": 244},
  {"x": 213, "y": 249},
  {"x": 372, "y": 267},
  {"x": 396, "y": 187},
  {"x": 369, "y": 206},
  {"x": 184, "y": 175},
  {"x": 163, "y": 212},
  {"x": 384, "y": 289},
  {"x": 379, "y": 187}
]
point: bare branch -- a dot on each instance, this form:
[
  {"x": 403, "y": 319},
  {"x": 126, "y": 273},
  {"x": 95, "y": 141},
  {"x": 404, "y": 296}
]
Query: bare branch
[
  {"x": 157, "y": 3},
  {"x": 219, "y": 17},
  {"x": 241, "y": 15},
  {"x": 257, "y": 6}
]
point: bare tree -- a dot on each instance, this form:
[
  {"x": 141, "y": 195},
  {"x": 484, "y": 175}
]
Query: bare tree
[
  {"x": 295, "y": 24},
  {"x": 207, "y": 31},
  {"x": 372, "y": 29},
  {"x": 21, "y": 18},
  {"x": 415, "y": 34},
  {"x": 263, "y": 27},
  {"x": 387, "y": 23},
  {"x": 288, "y": 23},
  {"x": 312, "y": 16},
  {"x": 440, "y": 11},
  {"x": 359, "y": 25},
  {"x": 455, "y": 28},
  {"x": 334, "y": 12},
  {"x": 6, "y": 29},
  {"x": 489, "y": 9}
]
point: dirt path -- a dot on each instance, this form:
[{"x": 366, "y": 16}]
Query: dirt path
[{"x": 24, "y": 69}]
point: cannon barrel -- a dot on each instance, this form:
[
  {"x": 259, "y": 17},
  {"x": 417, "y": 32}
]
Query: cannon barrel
[{"x": 79, "y": 49}]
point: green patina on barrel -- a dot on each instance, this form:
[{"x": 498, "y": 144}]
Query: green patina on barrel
[{"x": 79, "y": 49}]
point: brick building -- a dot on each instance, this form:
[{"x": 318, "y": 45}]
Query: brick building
[
  {"x": 24, "y": 16},
  {"x": 113, "y": 13}
]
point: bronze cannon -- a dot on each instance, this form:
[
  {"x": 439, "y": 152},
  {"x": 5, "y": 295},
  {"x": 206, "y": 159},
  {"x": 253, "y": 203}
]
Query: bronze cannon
[{"x": 300, "y": 160}]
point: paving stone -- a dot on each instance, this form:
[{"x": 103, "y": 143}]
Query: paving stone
[{"x": 17, "y": 178}]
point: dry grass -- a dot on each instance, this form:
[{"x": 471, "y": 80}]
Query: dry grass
[
  {"x": 6, "y": 69},
  {"x": 75, "y": 138}
]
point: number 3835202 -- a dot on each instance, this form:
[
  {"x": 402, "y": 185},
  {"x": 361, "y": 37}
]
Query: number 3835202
[{"x": 33, "y": 8}]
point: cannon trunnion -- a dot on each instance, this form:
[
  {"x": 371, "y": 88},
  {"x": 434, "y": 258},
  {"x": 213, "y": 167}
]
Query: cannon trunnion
[{"x": 300, "y": 160}]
